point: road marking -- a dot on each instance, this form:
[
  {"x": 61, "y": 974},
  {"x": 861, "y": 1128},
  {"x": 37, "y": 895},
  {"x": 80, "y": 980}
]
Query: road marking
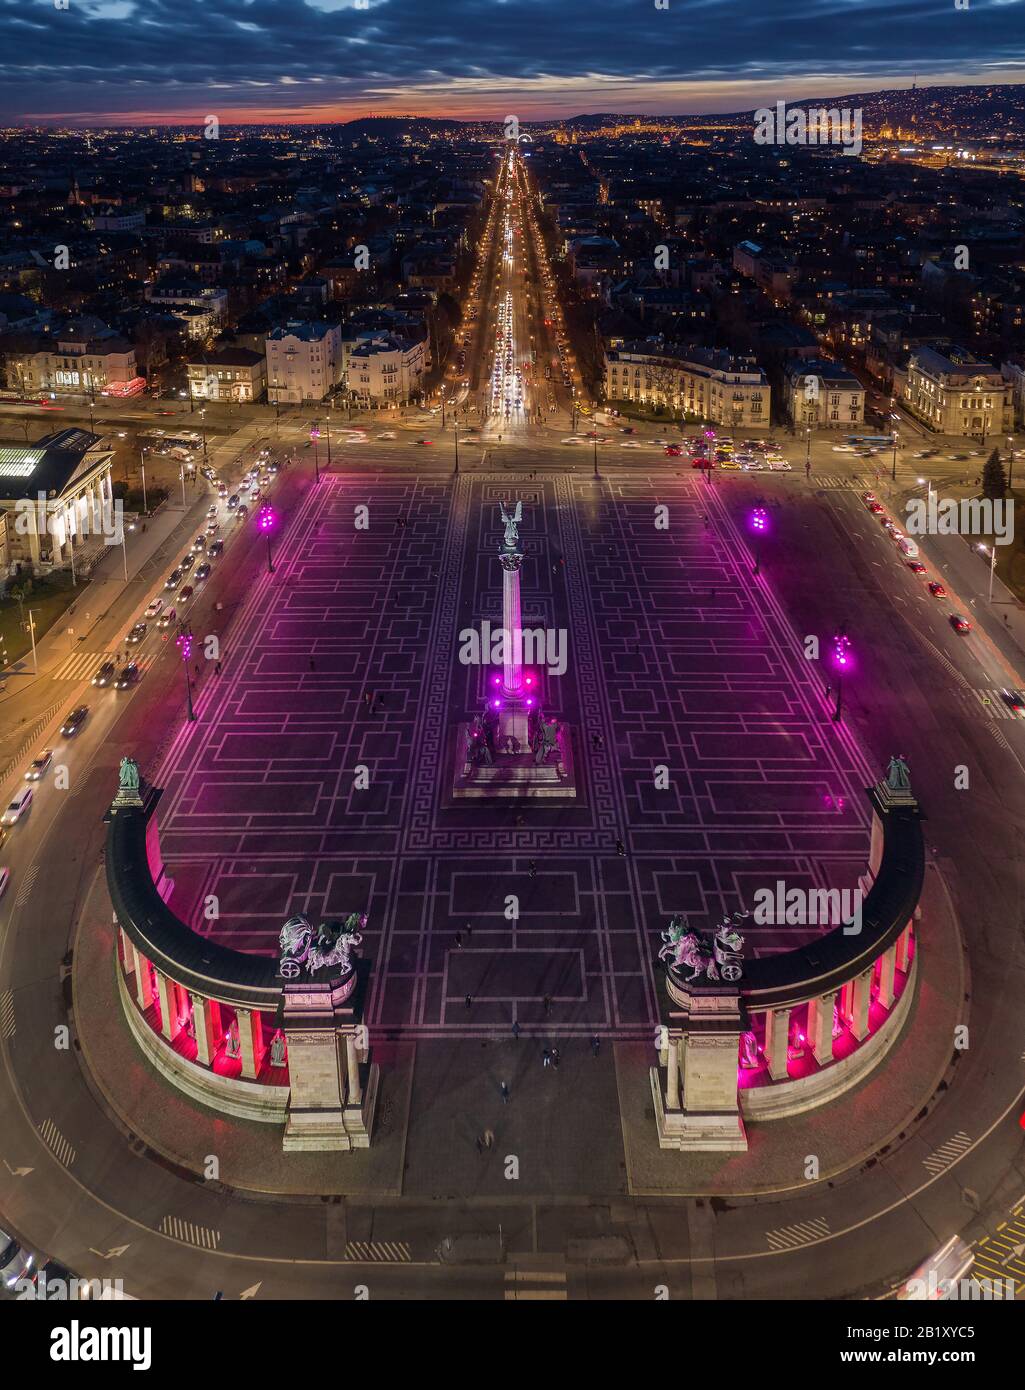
[
  {"x": 189, "y": 1233},
  {"x": 8, "y": 1025},
  {"x": 530, "y": 1284},
  {"x": 990, "y": 699},
  {"x": 378, "y": 1251},
  {"x": 26, "y": 886},
  {"x": 947, "y": 1153},
  {"x": 801, "y": 1233},
  {"x": 51, "y": 1136},
  {"x": 84, "y": 665}
]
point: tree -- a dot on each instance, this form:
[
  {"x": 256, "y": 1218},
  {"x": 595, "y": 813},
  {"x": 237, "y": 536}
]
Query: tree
[{"x": 994, "y": 479}]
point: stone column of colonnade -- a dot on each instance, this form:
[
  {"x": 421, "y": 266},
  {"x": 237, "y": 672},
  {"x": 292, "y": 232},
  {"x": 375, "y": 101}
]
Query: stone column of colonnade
[
  {"x": 206, "y": 1018},
  {"x": 777, "y": 1039}
]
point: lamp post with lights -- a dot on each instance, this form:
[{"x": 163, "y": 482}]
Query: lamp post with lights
[
  {"x": 759, "y": 524},
  {"x": 842, "y": 660},
  {"x": 184, "y": 644},
  {"x": 266, "y": 520}
]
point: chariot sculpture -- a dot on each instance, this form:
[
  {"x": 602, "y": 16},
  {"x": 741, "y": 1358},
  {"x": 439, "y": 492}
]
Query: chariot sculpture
[
  {"x": 304, "y": 946},
  {"x": 722, "y": 959}
]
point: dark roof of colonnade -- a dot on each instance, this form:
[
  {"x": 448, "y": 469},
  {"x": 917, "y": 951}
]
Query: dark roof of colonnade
[
  {"x": 194, "y": 961},
  {"x": 834, "y": 959}
]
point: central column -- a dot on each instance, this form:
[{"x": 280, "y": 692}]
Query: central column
[{"x": 512, "y": 622}]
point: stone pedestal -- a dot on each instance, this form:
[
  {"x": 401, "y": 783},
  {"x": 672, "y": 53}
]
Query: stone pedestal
[
  {"x": 333, "y": 1086},
  {"x": 704, "y": 1041},
  {"x": 514, "y": 774}
]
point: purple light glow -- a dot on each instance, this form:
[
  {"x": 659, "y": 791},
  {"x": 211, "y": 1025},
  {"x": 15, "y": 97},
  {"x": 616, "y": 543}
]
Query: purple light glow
[
  {"x": 529, "y": 700},
  {"x": 497, "y": 704}
]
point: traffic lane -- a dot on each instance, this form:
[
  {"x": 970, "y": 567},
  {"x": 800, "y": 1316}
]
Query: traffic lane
[{"x": 984, "y": 657}]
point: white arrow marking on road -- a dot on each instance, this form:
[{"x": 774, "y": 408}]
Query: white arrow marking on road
[
  {"x": 252, "y": 1291},
  {"x": 1015, "y": 1252},
  {"x": 111, "y": 1253},
  {"x": 18, "y": 1172}
]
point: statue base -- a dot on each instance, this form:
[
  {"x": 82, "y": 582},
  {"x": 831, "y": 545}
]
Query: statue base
[{"x": 514, "y": 773}]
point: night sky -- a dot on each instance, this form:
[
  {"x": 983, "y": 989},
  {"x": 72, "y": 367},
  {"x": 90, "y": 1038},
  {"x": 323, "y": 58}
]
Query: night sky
[{"x": 253, "y": 60}]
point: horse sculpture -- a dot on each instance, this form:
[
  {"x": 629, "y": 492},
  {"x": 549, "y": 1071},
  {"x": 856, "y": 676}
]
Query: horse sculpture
[
  {"x": 687, "y": 948},
  {"x": 328, "y": 945}
]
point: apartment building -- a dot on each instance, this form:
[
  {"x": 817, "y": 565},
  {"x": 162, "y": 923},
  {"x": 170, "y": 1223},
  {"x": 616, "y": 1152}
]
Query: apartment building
[
  {"x": 703, "y": 383},
  {"x": 955, "y": 393},
  {"x": 823, "y": 395},
  {"x": 303, "y": 362}
]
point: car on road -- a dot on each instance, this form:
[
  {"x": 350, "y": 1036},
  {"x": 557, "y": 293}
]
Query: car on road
[
  {"x": 629, "y": 444},
  {"x": 5, "y": 878},
  {"x": 1015, "y": 702},
  {"x": 233, "y": 501},
  {"x": 960, "y": 624},
  {"x": 154, "y": 608},
  {"x": 186, "y": 563},
  {"x": 213, "y": 525},
  {"x": 16, "y": 1262},
  {"x": 216, "y": 548},
  {"x": 166, "y": 619},
  {"x": 38, "y": 765},
  {"x": 843, "y": 448},
  {"x": 186, "y": 594},
  {"x": 388, "y": 434},
  {"x": 74, "y": 721},
  {"x": 869, "y": 497},
  {"x": 174, "y": 579},
  {"x": 875, "y": 508},
  {"x": 936, "y": 589},
  {"x": 426, "y": 443},
  {"x": 672, "y": 451},
  {"x": 137, "y": 633},
  {"x": 780, "y": 466},
  {"x": 127, "y": 676},
  {"x": 199, "y": 543},
  {"x": 105, "y": 674},
  {"x": 212, "y": 510},
  {"x": 19, "y": 805},
  {"x": 202, "y": 573},
  {"x": 915, "y": 566}
]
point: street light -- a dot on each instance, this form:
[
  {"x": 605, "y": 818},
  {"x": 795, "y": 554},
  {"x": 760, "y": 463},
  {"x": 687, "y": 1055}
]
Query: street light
[
  {"x": 184, "y": 644},
  {"x": 266, "y": 520},
  {"x": 893, "y": 474},
  {"x": 142, "y": 466},
  {"x": 759, "y": 524},
  {"x": 1010, "y": 459},
  {"x": 314, "y": 436},
  {"x": 991, "y": 551},
  {"x": 842, "y": 662}
]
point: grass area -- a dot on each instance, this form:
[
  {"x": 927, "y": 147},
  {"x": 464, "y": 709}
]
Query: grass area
[
  {"x": 634, "y": 410},
  {"x": 48, "y": 600}
]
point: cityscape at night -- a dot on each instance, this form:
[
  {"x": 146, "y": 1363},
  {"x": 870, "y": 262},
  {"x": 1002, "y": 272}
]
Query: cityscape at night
[{"x": 512, "y": 666}]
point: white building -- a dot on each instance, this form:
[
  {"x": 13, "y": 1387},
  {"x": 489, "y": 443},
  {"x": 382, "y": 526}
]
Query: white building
[
  {"x": 207, "y": 305},
  {"x": 76, "y": 365},
  {"x": 824, "y": 395},
  {"x": 955, "y": 393},
  {"x": 702, "y": 383},
  {"x": 303, "y": 362},
  {"x": 387, "y": 369}
]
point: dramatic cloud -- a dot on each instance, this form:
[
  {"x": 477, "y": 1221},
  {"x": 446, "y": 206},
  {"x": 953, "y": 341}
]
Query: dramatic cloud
[{"x": 328, "y": 59}]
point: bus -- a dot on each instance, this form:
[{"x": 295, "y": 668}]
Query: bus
[{"x": 871, "y": 441}]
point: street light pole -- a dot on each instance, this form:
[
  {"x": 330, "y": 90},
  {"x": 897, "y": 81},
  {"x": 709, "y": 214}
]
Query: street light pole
[
  {"x": 594, "y": 440},
  {"x": 455, "y": 438},
  {"x": 142, "y": 466},
  {"x": 1010, "y": 459},
  {"x": 893, "y": 473},
  {"x": 32, "y": 634}
]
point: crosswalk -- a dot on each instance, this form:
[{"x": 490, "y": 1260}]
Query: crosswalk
[
  {"x": 82, "y": 666},
  {"x": 189, "y": 1233},
  {"x": 993, "y": 704},
  {"x": 51, "y": 1136},
  {"x": 833, "y": 480},
  {"x": 1001, "y": 1256},
  {"x": 378, "y": 1251},
  {"x": 801, "y": 1233}
]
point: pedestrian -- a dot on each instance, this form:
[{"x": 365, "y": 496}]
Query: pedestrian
[
  {"x": 366, "y": 698},
  {"x": 313, "y": 664},
  {"x": 594, "y": 740},
  {"x": 516, "y": 1028},
  {"x": 505, "y": 1092},
  {"x": 546, "y": 1058},
  {"x": 217, "y": 669},
  {"x": 197, "y": 668},
  {"x": 480, "y": 1144},
  {"x": 595, "y": 1045},
  {"x": 532, "y": 869},
  {"x": 621, "y": 849},
  {"x": 489, "y": 1137},
  {"x": 555, "y": 1056},
  {"x": 459, "y": 939},
  {"x": 469, "y": 1001},
  {"x": 469, "y": 930},
  {"x": 548, "y": 1005}
]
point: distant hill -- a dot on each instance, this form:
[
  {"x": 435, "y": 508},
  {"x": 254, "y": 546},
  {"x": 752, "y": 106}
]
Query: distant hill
[{"x": 388, "y": 127}]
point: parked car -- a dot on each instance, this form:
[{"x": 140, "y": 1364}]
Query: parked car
[{"x": 15, "y": 1261}]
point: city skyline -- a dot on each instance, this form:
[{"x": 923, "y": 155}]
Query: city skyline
[{"x": 106, "y": 61}]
